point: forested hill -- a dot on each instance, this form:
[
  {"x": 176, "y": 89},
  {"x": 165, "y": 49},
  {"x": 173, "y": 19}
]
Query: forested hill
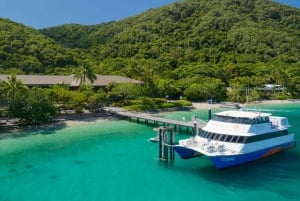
[
  {"x": 26, "y": 50},
  {"x": 224, "y": 39}
]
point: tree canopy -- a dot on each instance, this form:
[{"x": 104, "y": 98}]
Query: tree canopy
[{"x": 225, "y": 40}]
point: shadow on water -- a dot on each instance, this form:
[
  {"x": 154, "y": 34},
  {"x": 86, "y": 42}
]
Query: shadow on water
[
  {"x": 281, "y": 168},
  {"x": 42, "y": 130},
  {"x": 278, "y": 168},
  {"x": 79, "y": 162}
]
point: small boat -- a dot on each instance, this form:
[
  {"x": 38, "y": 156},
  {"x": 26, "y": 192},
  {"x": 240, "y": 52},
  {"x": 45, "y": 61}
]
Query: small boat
[
  {"x": 156, "y": 138},
  {"x": 238, "y": 136},
  {"x": 231, "y": 105}
]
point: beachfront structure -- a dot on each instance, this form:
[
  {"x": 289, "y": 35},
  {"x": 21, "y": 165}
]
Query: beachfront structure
[
  {"x": 272, "y": 87},
  {"x": 46, "y": 81}
]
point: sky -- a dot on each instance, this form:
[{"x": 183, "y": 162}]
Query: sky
[{"x": 47, "y": 13}]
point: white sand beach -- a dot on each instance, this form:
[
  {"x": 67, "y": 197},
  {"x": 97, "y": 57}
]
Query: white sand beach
[
  {"x": 89, "y": 120},
  {"x": 86, "y": 119},
  {"x": 204, "y": 105},
  {"x": 201, "y": 105}
]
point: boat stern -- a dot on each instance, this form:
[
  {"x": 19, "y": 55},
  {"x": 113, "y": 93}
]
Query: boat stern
[{"x": 186, "y": 153}]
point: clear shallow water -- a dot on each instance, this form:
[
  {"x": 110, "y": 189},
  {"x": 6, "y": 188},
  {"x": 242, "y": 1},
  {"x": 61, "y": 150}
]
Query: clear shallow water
[{"x": 114, "y": 161}]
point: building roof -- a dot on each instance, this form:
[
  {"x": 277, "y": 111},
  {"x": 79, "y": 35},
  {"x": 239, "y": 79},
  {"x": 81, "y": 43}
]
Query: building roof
[{"x": 48, "y": 80}]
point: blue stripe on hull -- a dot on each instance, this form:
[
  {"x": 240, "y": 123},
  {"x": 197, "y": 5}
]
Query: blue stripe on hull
[
  {"x": 186, "y": 153},
  {"x": 227, "y": 161}
]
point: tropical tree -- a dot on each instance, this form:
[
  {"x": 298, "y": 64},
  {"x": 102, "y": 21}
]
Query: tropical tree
[
  {"x": 167, "y": 87},
  {"x": 33, "y": 108},
  {"x": 77, "y": 101},
  {"x": 208, "y": 88},
  {"x": 125, "y": 91},
  {"x": 12, "y": 85},
  {"x": 96, "y": 101},
  {"x": 61, "y": 96},
  {"x": 83, "y": 73}
]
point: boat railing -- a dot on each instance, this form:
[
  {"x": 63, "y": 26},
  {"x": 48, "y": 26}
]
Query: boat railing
[
  {"x": 273, "y": 125},
  {"x": 209, "y": 147}
]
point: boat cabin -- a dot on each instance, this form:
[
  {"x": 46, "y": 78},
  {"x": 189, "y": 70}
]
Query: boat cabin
[
  {"x": 277, "y": 126},
  {"x": 242, "y": 117},
  {"x": 241, "y": 139}
]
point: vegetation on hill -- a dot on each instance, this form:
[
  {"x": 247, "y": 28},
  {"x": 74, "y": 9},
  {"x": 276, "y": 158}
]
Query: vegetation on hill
[
  {"x": 193, "y": 48},
  {"x": 25, "y": 50}
]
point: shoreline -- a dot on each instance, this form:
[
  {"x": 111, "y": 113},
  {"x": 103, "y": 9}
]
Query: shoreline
[
  {"x": 203, "y": 105},
  {"x": 60, "y": 122},
  {"x": 88, "y": 118},
  {"x": 200, "y": 105}
]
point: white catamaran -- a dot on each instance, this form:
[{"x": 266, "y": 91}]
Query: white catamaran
[{"x": 238, "y": 136}]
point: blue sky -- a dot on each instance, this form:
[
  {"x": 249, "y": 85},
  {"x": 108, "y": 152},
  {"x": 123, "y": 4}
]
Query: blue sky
[{"x": 47, "y": 13}]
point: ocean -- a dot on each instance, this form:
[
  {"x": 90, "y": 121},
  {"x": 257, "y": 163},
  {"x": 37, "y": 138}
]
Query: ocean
[{"x": 114, "y": 161}]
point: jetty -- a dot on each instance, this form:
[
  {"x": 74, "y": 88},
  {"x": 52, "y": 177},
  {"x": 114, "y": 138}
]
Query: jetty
[{"x": 156, "y": 121}]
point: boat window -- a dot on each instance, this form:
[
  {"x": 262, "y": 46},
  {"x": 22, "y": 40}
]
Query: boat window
[
  {"x": 261, "y": 120},
  {"x": 243, "y": 120},
  {"x": 206, "y": 134},
  {"x": 241, "y": 139},
  {"x": 238, "y": 137},
  {"x": 222, "y": 138},
  {"x": 203, "y": 134},
  {"x": 229, "y": 138},
  {"x": 216, "y": 137},
  {"x": 212, "y": 136},
  {"x": 234, "y": 139},
  {"x": 266, "y": 136},
  {"x": 239, "y": 120}
]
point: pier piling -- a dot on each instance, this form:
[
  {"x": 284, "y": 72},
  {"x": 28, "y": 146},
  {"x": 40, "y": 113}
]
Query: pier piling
[
  {"x": 164, "y": 145},
  {"x": 209, "y": 113},
  {"x": 172, "y": 142},
  {"x": 195, "y": 128}
]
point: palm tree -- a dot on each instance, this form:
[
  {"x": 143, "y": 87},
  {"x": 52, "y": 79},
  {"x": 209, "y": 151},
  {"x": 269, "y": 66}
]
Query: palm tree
[
  {"x": 11, "y": 86},
  {"x": 83, "y": 73}
]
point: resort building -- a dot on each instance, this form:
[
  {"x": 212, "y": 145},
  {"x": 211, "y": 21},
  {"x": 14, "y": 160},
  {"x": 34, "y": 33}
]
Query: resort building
[
  {"x": 46, "y": 81},
  {"x": 272, "y": 87}
]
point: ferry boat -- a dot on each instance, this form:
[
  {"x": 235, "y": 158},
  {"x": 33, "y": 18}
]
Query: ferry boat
[{"x": 238, "y": 136}]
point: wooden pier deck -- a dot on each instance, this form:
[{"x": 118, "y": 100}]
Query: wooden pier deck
[{"x": 156, "y": 121}]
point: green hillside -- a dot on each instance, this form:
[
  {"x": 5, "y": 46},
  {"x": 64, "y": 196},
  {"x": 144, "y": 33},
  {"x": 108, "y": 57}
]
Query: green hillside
[
  {"x": 26, "y": 50},
  {"x": 236, "y": 43}
]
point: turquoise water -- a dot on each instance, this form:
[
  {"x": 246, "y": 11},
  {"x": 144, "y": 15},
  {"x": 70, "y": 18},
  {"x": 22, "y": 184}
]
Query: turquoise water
[{"x": 115, "y": 161}]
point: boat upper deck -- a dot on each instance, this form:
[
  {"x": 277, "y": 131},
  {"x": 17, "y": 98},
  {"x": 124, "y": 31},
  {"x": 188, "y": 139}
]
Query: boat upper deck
[
  {"x": 242, "y": 114},
  {"x": 242, "y": 117}
]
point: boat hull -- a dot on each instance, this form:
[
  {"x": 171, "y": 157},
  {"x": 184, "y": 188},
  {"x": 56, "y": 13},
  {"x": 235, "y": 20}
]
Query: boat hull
[
  {"x": 223, "y": 161},
  {"x": 186, "y": 153}
]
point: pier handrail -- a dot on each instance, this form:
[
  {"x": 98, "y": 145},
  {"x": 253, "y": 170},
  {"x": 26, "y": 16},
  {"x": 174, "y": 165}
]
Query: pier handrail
[{"x": 146, "y": 116}]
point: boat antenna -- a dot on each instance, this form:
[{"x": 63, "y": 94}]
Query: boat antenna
[{"x": 243, "y": 107}]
